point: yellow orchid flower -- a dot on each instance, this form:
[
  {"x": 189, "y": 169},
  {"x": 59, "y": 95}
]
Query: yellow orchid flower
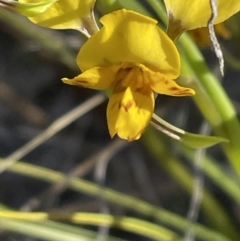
[
  {"x": 63, "y": 14},
  {"x": 134, "y": 58},
  {"x": 192, "y": 14}
]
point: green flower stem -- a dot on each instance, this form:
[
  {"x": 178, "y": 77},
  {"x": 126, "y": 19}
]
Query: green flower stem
[
  {"x": 201, "y": 98},
  {"x": 133, "y": 225},
  {"x": 123, "y": 200},
  {"x": 44, "y": 232},
  {"x": 207, "y": 79},
  {"x": 107, "y": 6},
  {"x": 48, "y": 230},
  {"x": 210, "y": 92},
  {"x": 211, "y": 98},
  {"x": 160, "y": 10},
  {"x": 156, "y": 147}
]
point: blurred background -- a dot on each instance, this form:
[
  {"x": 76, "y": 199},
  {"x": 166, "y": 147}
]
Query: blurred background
[{"x": 32, "y": 96}]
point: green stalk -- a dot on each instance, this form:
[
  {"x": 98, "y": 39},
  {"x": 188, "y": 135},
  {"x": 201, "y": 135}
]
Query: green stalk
[
  {"x": 212, "y": 86},
  {"x": 48, "y": 230},
  {"x": 137, "y": 205},
  {"x": 211, "y": 98},
  {"x": 210, "y": 92},
  {"x": 107, "y": 6},
  {"x": 207, "y": 84},
  {"x": 201, "y": 98},
  {"x": 160, "y": 10},
  {"x": 133, "y": 225}
]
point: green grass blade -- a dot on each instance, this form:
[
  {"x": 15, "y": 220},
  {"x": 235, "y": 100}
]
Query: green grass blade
[{"x": 123, "y": 200}]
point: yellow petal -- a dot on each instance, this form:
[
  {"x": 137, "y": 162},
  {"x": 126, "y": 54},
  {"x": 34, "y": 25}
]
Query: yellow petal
[
  {"x": 96, "y": 78},
  {"x": 195, "y": 14},
  {"x": 127, "y": 36},
  {"x": 129, "y": 112},
  {"x": 161, "y": 84},
  {"x": 63, "y": 14},
  {"x": 32, "y": 9}
]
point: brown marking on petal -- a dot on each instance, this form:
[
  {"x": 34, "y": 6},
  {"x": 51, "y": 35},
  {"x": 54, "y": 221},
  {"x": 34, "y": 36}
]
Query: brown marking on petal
[
  {"x": 166, "y": 82},
  {"x": 177, "y": 90},
  {"x": 144, "y": 90},
  {"x": 174, "y": 89},
  {"x": 119, "y": 104},
  {"x": 175, "y": 28},
  {"x": 138, "y": 90},
  {"x": 83, "y": 81},
  {"x": 180, "y": 91},
  {"x": 126, "y": 106}
]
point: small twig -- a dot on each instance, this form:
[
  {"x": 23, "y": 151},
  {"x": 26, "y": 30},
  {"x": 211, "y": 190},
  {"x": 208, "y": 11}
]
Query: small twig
[
  {"x": 100, "y": 177},
  {"x": 197, "y": 194},
  {"x": 7, "y": 5},
  {"x": 54, "y": 128},
  {"x": 47, "y": 40},
  {"x": 25, "y": 108},
  {"x": 79, "y": 171},
  {"x": 142, "y": 177},
  {"x": 216, "y": 45}
]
